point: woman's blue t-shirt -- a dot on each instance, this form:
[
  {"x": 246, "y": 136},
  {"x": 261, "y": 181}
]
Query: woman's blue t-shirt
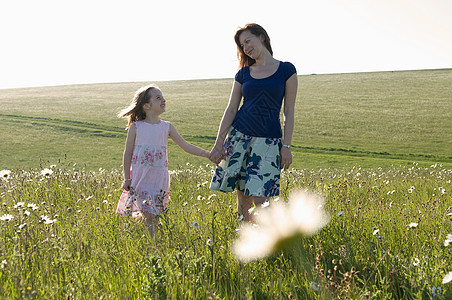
[{"x": 262, "y": 100}]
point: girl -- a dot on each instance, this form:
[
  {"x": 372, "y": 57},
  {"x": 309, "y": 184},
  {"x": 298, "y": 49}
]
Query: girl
[
  {"x": 250, "y": 139},
  {"x": 146, "y": 177}
]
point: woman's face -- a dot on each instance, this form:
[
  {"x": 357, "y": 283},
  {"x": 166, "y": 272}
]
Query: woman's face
[{"x": 252, "y": 45}]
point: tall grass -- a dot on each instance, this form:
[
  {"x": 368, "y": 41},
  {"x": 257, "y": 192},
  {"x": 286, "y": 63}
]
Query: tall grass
[{"x": 61, "y": 239}]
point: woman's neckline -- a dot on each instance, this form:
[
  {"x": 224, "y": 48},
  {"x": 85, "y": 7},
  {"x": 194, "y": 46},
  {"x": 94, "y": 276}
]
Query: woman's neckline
[{"x": 276, "y": 71}]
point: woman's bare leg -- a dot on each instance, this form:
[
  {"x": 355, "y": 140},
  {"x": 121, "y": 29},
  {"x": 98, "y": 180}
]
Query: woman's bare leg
[{"x": 245, "y": 203}]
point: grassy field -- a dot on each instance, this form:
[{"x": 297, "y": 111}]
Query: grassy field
[
  {"x": 60, "y": 239},
  {"x": 374, "y": 146},
  {"x": 365, "y": 119}
]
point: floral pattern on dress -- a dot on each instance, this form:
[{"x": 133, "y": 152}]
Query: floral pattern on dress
[
  {"x": 254, "y": 171},
  {"x": 143, "y": 201},
  {"x": 151, "y": 157}
]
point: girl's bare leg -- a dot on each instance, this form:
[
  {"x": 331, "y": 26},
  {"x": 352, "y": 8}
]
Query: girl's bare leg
[
  {"x": 152, "y": 222},
  {"x": 245, "y": 203}
]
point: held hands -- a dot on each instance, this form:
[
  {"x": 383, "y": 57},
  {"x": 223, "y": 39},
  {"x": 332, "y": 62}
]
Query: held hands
[
  {"x": 286, "y": 157},
  {"x": 126, "y": 184},
  {"x": 217, "y": 154}
]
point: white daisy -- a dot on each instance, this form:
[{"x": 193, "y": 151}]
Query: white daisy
[
  {"x": 46, "y": 220},
  {"x": 32, "y": 206},
  {"x": 448, "y": 240},
  {"x": 46, "y": 172},
  {"x": 447, "y": 278},
  {"x": 279, "y": 224},
  {"x": 19, "y": 204},
  {"x": 6, "y": 217},
  {"x": 4, "y": 174},
  {"x": 413, "y": 225}
]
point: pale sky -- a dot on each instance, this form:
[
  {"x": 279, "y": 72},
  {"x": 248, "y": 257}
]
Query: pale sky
[{"x": 55, "y": 42}]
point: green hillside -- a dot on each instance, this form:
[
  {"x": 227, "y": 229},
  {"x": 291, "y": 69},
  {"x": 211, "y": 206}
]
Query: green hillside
[{"x": 369, "y": 120}]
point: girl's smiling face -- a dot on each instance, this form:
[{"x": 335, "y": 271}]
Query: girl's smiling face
[
  {"x": 157, "y": 103},
  {"x": 252, "y": 45}
]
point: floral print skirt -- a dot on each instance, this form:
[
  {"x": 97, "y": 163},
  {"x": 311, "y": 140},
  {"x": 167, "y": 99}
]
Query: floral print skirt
[{"x": 252, "y": 165}]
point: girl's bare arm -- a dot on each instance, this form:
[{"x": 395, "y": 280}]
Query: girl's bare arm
[{"x": 186, "y": 146}]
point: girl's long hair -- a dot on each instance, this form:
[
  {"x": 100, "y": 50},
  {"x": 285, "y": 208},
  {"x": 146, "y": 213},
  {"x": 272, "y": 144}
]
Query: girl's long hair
[
  {"x": 134, "y": 112},
  {"x": 257, "y": 30}
]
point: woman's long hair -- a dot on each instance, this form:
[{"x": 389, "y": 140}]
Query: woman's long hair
[
  {"x": 134, "y": 112},
  {"x": 257, "y": 30}
]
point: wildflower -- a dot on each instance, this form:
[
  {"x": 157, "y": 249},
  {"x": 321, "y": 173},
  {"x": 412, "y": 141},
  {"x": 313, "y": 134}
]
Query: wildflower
[
  {"x": 416, "y": 261},
  {"x": 46, "y": 220},
  {"x": 376, "y": 231},
  {"x": 340, "y": 213},
  {"x": 209, "y": 242},
  {"x": 265, "y": 204},
  {"x": 19, "y": 204},
  {"x": 3, "y": 264},
  {"x": 315, "y": 286},
  {"x": 32, "y": 206},
  {"x": 195, "y": 225},
  {"x": 4, "y": 174},
  {"x": 46, "y": 172},
  {"x": 413, "y": 225},
  {"x": 448, "y": 240},
  {"x": 6, "y": 217},
  {"x": 436, "y": 291},
  {"x": 22, "y": 225},
  {"x": 279, "y": 225},
  {"x": 447, "y": 278}
]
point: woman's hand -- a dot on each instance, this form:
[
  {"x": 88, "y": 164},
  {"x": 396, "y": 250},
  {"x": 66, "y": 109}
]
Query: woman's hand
[
  {"x": 286, "y": 157},
  {"x": 217, "y": 154}
]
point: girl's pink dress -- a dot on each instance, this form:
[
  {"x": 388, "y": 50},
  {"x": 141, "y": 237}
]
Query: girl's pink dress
[{"x": 149, "y": 191}]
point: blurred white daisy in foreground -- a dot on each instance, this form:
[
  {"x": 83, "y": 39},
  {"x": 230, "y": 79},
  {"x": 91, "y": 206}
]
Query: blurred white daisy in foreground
[
  {"x": 447, "y": 278},
  {"x": 279, "y": 224}
]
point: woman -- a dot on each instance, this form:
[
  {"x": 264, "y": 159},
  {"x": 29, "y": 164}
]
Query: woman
[{"x": 250, "y": 143}]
